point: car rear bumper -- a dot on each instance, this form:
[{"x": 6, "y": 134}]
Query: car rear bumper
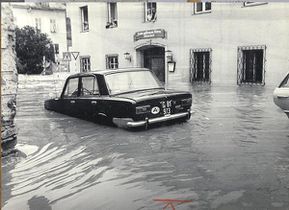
[{"x": 129, "y": 123}]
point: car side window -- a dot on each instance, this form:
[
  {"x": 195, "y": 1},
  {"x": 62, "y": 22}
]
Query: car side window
[
  {"x": 71, "y": 88},
  {"x": 89, "y": 86}
]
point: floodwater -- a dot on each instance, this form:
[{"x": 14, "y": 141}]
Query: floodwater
[{"x": 232, "y": 154}]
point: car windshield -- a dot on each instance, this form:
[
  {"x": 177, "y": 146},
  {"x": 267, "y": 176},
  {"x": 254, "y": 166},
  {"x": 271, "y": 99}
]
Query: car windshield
[
  {"x": 285, "y": 82},
  {"x": 131, "y": 81}
]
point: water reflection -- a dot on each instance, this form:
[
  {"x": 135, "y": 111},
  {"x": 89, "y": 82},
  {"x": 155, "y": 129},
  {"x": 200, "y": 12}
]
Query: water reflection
[{"x": 233, "y": 148}]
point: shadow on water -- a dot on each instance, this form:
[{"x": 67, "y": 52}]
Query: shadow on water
[{"x": 39, "y": 202}]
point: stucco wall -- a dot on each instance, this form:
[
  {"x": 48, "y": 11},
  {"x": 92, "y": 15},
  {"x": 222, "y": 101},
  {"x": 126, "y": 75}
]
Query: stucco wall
[
  {"x": 228, "y": 26},
  {"x": 8, "y": 81}
]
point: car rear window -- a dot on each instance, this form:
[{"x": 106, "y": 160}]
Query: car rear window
[
  {"x": 131, "y": 81},
  {"x": 285, "y": 82}
]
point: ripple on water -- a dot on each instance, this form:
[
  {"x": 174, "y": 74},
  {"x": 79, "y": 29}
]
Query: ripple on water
[{"x": 57, "y": 171}]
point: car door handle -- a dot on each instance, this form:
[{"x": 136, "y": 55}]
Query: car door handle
[
  {"x": 93, "y": 102},
  {"x": 72, "y": 101},
  {"x": 282, "y": 96}
]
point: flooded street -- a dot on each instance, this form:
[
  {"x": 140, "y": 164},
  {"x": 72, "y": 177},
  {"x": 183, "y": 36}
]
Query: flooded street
[{"x": 232, "y": 154}]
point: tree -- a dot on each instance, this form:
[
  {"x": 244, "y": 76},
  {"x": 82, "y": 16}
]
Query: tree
[{"x": 31, "y": 46}]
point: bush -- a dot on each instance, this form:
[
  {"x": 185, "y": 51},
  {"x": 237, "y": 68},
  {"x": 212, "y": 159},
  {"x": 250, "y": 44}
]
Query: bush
[{"x": 31, "y": 46}]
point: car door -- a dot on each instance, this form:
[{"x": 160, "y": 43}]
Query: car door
[
  {"x": 88, "y": 97},
  {"x": 70, "y": 96}
]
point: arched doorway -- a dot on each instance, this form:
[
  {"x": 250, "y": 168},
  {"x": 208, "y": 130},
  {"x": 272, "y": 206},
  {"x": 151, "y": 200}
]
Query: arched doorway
[{"x": 153, "y": 57}]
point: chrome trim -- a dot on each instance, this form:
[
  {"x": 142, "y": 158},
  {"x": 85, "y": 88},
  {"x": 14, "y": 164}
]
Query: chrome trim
[{"x": 133, "y": 124}]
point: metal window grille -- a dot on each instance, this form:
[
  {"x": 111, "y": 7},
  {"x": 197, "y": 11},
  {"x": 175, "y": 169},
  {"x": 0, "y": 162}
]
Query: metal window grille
[
  {"x": 200, "y": 65},
  {"x": 251, "y": 65}
]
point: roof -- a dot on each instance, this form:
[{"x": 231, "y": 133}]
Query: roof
[{"x": 106, "y": 72}]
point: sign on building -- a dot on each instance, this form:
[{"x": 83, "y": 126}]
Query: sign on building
[
  {"x": 66, "y": 56},
  {"x": 149, "y": 34}
]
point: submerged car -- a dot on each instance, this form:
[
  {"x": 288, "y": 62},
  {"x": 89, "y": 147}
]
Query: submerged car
[
  {"x": 281, "y": 95},
  {"x": 126, "y": 97}
]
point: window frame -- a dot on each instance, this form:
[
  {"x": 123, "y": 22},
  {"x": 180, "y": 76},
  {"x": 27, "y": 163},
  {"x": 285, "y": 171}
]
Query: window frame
[
  {"x": 240, "y": 64},
  {"x": 204, "y": 11},
  {"x": 146, "y": 5},
  {"x": 63, "y": 96},
  {"x": 81, "y": 58},
  {"x": 53, "y": 27},
  {"x": 108, "y": 64},
  {"x": 84, "y": 28},
  {"x": 38, "y": 24},
  {"x": 284, "y": 82},
  {"x": 95, "y": 84},
  {"x": 112, "y": 23},
  {"x": 192, "y": 64}
]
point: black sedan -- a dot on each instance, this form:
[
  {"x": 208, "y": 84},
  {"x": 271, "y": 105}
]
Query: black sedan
[{"x": 126, "y": 97}]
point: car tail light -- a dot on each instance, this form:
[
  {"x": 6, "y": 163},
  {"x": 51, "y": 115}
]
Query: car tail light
[
  {"x": 142, "y": 109},
  {"x": 186, "y": 101}
]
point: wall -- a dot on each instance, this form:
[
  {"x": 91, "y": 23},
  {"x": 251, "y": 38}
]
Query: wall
[
  {"x": 26, "y": 15},
  {"x": 228, "y": 26},
  {"x": 8, "y": 81}
]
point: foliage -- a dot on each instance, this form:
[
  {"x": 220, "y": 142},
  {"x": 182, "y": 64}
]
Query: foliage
[{"x": 31, "y": 46}]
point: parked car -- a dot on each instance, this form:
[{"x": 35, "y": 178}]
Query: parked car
[
  {"x": 126, "y": 97},
  {"x": 281, "y": 95}
]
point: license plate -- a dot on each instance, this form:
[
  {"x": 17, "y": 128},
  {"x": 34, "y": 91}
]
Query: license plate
[
  {"x": 167, "y": 111},
  {"x": 166, "y": 105}
]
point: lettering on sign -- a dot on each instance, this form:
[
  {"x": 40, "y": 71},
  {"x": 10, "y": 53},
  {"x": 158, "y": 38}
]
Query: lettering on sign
[{"x": 149, "y": 34}]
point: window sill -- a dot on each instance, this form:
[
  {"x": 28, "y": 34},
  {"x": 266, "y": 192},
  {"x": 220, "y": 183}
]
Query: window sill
[
  {"x": 255, "y": 4},
  {"x": 84, "y": 31},
  {"x": 203, "y": 12}
]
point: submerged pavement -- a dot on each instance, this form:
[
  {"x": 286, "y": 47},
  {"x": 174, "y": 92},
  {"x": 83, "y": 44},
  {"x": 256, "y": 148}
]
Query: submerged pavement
[{"x": 232, "y": 154}]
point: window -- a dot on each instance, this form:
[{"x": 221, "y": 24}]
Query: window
[
  {"x": 201, "y": 65},
  {"x": 71, "y": 89},
  {"x": 285, "y": 82},
  {"x": 112, "y": 61},
  {"x": 38, "y": 23},
  {"x": 129, "y": 81},
  {"x": 89, "y": 86},
  {"x": 56, "y": 48},
  {"x": 251, "y": 65},
  {"x": 111, "y": 15},
  {"x": 202, "y": 7},
  {"x": 52, "y": 26},
  {"x": 68, "y": 32},
  {"x": 84, "y": 19},
  {"x": 84, "y": 63},
  {"x": 249, "y": 4},
  {"x": 150, "y": 11}
]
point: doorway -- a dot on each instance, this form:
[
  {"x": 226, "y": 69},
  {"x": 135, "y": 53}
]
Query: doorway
[{"x": 153, "y": 58}]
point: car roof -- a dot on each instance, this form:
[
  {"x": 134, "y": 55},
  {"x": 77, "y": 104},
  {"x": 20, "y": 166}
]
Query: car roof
[{"x": 109, "y": 71}]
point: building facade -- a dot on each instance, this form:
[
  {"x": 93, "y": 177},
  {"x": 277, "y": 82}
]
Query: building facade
[
  {"x": 49, "y": 18},
  {"x": 215, "y": 43}
]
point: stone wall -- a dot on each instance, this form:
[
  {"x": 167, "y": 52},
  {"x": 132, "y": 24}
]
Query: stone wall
[{"x": 8, "y": 81}]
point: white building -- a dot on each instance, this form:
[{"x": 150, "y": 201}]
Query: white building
[
  {"x": 49, "y": 18},
  {"x": 215, "y": 43}
]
